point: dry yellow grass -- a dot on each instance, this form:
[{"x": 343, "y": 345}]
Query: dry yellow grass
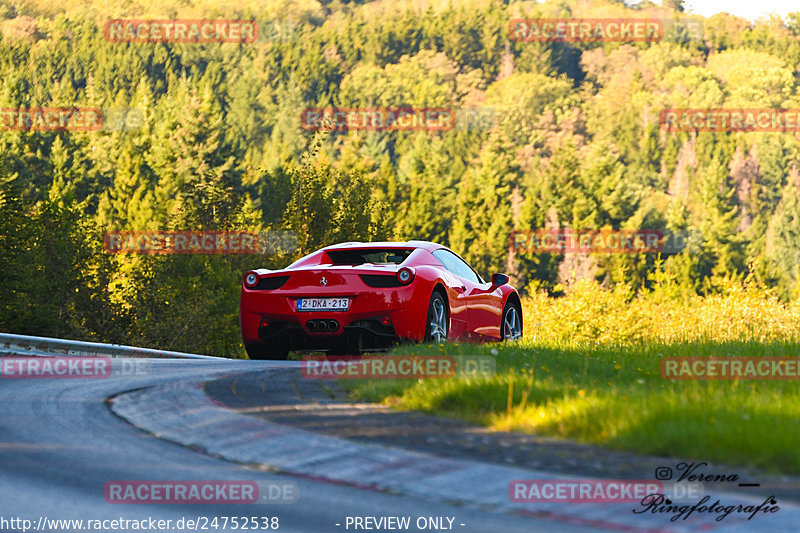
[{"x": 591, "y": 314}]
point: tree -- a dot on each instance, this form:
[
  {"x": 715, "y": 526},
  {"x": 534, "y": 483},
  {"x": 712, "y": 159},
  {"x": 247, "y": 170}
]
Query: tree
[
  {"x": 483, "y": 218},
  {"x": 327, "y": 205},
  {"x": 198, "y": 179}
]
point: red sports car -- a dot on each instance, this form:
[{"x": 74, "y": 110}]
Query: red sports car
[{"x": 356, "y": 297}]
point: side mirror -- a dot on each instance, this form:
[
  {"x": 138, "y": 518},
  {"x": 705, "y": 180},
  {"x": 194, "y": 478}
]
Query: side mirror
[{"x": 499, "y": 279}]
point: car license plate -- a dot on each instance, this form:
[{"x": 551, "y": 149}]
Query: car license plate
[{"x": 323, "y": 304}]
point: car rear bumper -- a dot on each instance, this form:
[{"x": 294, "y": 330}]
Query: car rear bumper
[
  {"x": 271, "y": 318},
  {"x": 362, "y": 335}
]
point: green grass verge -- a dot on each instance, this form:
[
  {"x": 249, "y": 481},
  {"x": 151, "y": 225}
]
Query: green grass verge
[{"x": 616, "y": 397}]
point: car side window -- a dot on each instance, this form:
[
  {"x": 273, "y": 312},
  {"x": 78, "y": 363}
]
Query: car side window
[
  {"x": 456, "y": 265},
  {"x": 446, "y": 260}
]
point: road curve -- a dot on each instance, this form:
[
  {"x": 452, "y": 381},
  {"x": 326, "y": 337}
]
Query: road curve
[{"x": 60, "y": 444}]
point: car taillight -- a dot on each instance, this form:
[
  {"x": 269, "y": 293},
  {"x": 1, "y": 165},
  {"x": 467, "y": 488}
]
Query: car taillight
[
  {"x": 405, "y": 275},
  {"x": 251, "y": 279}
]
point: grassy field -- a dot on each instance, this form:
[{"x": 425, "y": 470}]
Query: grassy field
[{"x": 588, "y": 370}]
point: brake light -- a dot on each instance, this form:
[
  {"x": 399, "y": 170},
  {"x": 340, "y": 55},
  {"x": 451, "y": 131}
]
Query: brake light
[
  {"x": 385, "y": 320},
  {"x": 251, "y": 279},
  {"x": 405, "y": 275}
]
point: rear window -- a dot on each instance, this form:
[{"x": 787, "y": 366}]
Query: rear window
[{"x": 378, "y": 256}]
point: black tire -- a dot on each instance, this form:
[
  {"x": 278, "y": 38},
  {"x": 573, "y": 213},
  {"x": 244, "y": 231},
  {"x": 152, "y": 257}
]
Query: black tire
[
  {"x": 262, "y": 352},
  {"x": 511, "y": 312},
  {"x": 437, "y": 324}
]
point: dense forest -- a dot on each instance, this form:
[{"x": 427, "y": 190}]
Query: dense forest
[{"x": 208, "y": 136}]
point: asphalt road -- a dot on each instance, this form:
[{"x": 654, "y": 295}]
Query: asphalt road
[{"x": 60, "y": 444}]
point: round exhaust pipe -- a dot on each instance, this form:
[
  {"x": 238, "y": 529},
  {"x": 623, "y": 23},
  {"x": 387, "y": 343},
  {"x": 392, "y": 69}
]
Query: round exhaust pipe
[
  {"x": 333, "y": 325},
  {"x": 323, "y": 325},
  {"x": 311, "y": 325}
]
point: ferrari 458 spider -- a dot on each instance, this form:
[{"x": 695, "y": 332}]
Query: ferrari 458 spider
[{"x": 356, "y": 297}]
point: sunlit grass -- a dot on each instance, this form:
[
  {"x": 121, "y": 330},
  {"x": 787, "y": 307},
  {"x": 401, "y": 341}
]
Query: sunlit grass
[{"x": 592, "y": 374}]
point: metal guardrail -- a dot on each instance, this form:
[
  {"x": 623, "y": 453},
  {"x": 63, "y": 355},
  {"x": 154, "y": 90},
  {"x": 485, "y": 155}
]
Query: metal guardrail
[{"x": 24, "y": 345}]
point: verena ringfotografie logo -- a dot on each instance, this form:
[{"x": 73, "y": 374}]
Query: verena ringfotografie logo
[
  {"x": 558, "y": 241},
  {"x": 70, "y": 367},
  {"x": 180, "y": 242},
  {"x": 728, "y": 368},
  {"x": 617, "y": 30},
  {"x": 397, "y": 367},
  {"x": 180, "y": 31},
  {"x": 663, "y": 503},
  {"x": 730, "y": 120},
  {"x": 200, "y": 492},
  {"x": 377, "y": 119}
]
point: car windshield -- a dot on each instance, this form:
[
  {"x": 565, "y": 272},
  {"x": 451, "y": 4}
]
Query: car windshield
[{"x": 390, "y": 256}]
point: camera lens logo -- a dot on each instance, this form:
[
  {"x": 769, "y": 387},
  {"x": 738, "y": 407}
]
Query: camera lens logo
[{"x": 663, "y": 473}]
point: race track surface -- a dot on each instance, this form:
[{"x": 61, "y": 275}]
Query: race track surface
[{"x": 60, "y": 444}]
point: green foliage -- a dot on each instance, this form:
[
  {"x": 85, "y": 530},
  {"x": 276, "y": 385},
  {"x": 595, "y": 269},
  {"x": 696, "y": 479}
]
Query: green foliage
[
  {"x": 571, "y": 139},
  {"x": 329, "y": 205}
]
